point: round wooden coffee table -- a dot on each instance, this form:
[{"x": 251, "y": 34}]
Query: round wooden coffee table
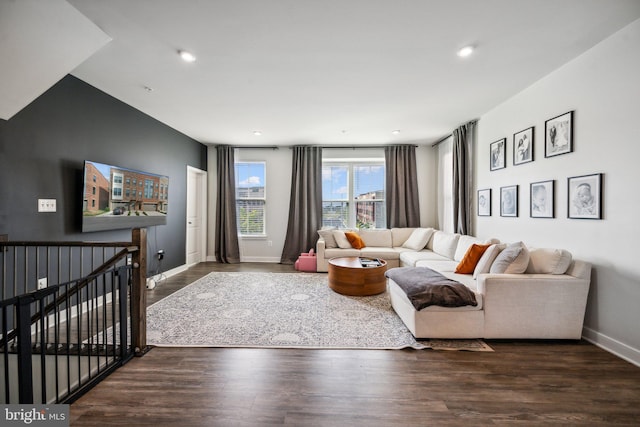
[{"x": 347, "y": 276}]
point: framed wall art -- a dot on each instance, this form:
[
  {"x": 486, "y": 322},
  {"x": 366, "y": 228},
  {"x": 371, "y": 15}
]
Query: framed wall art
[
  {"x": 585, "y": 196},
  {"x": 523, "y": 146},
  {"x": 541, "y": 199},
  {"x": 498, "y": 154},
  {"x": 509, "y": 201},
  {"x": 558, "y": 135},
  {"x": 484, "y": 202}
]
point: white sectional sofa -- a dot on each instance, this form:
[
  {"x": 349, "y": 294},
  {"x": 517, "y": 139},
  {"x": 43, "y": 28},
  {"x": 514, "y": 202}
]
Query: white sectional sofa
[{"x": 541, "y": 294}]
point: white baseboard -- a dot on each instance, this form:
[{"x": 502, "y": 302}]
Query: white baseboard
[
  {"x": 260, "y": 259},
  {"x": 166, "y": 274},
  {"x": 620, "y": 349}
]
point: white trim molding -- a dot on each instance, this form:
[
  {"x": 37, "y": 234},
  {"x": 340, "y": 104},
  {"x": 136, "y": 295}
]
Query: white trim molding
[{"x": 620, "y": 349}]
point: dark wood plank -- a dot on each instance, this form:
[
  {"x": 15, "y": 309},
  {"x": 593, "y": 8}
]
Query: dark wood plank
[{"x": 523, "y": 383}]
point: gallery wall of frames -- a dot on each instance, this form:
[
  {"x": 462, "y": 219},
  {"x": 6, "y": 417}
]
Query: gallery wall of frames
[{"x": 584, "y": 192}]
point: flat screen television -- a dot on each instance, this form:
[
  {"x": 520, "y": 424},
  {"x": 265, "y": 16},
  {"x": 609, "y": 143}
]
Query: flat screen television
[{"x": 114, "y": 197}]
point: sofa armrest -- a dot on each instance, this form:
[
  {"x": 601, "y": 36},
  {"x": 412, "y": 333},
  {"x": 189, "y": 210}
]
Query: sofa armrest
[
  {"x": 322, "y": 263},
  {"x": 533, "y": 305}
]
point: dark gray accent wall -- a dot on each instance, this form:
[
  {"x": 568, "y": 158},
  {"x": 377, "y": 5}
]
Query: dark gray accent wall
[{"x": 42, "y": 152}]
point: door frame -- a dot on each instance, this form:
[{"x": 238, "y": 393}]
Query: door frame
[{"x": 201, "y": 176}]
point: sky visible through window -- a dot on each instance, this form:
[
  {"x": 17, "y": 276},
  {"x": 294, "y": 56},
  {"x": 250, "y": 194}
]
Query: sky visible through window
[
  {"x": 250, "y": 175},
  {"x": 335, "y": 181}
]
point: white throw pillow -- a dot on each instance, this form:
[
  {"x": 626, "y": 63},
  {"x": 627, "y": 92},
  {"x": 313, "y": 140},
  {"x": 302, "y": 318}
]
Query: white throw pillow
[
  {"x": 341, "y": 239},
  {"x": 514, "y": 259},
  {"x": 418, "y": 239},
  {"x": 445, "y": 243},
  {"x": 487, "y": 258},
  {"x": 549, "y": 261},
  {"x": 329, "y": 240}
]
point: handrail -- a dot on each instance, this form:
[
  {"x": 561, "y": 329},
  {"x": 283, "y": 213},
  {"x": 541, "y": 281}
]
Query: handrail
[
  {"x": 138, "y": 248},
  {"x": 70, "y": 292}
]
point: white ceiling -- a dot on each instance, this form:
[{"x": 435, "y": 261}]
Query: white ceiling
[
  {"x": 334, "y": 71},
  {"x": 40, "y": 43}
]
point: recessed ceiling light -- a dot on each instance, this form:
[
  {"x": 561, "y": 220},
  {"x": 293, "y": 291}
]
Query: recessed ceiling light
[
  {"x": 257, "y": 133},
  {"x": 187, "y": 56},
  {"x": 395, "y": 132},
  {"x": 465, "y": 51}
]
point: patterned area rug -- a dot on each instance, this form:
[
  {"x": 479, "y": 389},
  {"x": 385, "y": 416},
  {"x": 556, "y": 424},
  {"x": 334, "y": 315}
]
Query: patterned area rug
[{"x": 281, "y": 310}]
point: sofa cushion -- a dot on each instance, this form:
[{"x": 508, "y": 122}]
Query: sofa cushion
[
  {"x": 341, "y": 239},
  {"x": 468, "y": 263},
  {"x": 514, "y": 259},
  {"x": 409, "y": 258},
  {"x": 445, "y": 243},
  {"x": 377, "y": 238},
  {"x": 354, "y": 239},
  {"x": 464, "y": 243},
  {"x": 327, "y": 236},
  {"x": 383, "y": 253},
  {"x": 487, "y": 258},
  {"x": 548, "y": 261},
  {"x": 418, "y": 239},
  {"x": 400, "y": 235},
  {"x": 438, "y": 265},
  {"x": 338, "y": 253}
]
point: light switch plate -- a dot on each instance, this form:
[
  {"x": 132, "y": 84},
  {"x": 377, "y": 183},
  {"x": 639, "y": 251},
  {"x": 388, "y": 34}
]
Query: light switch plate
[{"x": 46, "y": 205}]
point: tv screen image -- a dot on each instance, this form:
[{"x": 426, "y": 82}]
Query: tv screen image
[{"x": 115, "y": 197}]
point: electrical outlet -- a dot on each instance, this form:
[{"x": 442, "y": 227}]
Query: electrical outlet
[
  {"x": 269, "y": 242},
  {"x": 42, "y": 283},
  {"x": 129, "y": 260}
]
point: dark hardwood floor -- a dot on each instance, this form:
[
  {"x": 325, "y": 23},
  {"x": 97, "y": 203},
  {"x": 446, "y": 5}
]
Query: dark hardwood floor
[{"x": 521, "y": 383}]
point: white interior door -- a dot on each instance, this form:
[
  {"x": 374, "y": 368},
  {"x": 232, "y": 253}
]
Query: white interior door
[{"x": 196, "y": 215}]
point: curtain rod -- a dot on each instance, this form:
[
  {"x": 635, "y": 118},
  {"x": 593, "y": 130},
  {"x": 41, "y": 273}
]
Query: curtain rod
[
  {"x": 353, "y": 147},
  {"x": 444, "y": 138},
  {"x": 267, "y": 147},
  {"x": 441, "y": 140}
]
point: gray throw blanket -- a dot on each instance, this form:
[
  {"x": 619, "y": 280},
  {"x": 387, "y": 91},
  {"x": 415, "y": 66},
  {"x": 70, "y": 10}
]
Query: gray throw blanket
[{"x": 425, "y": 287}]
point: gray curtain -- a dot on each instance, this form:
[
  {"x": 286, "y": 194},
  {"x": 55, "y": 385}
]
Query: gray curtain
[
  {"x": 305, "y": 206},
  {"x": 463, "y": 138},
  {"x": 403, "y": 208},
  {"x": 226, "y": 248}
]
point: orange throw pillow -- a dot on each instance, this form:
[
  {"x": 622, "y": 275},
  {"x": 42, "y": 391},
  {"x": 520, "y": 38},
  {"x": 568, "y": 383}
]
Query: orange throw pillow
[
  {"x": 471, "y": 258},
  {"x": 354, "y": 239}
]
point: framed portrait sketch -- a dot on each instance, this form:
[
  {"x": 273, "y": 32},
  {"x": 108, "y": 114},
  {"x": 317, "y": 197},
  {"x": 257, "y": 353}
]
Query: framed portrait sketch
[
  {"x": 585, "y": 196},
  {"x": 523, "y": 146},
  {"x": 558, "y": 135},
  {"x": 509, "y": 201},
  {"x": 498, "y": 154},
  {"x": 484, "y": 202},
  {"x": 541, "y": 199}
]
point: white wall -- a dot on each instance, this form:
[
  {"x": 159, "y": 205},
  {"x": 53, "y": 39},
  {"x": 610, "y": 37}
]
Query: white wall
[{"x": 602, "y": 86}]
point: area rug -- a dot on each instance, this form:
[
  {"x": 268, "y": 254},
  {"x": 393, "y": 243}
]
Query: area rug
[{"x": 281, "y": 310}]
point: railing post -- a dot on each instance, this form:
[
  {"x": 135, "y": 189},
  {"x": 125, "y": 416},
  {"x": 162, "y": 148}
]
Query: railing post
[
  {"x": 25, "y": 376},
  {"x": 139, "y": 292}
]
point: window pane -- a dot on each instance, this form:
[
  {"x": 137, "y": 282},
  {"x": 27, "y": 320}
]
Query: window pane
[
  {"x": 335, "y": 183},
  {"x": 250, "y": 197},
  {"x": 250, "y": 180},
  {"x": 250, "y": 216},
  {"x": 368, "y": 179},
  {"x": 370, "y": 214},
  {"x": 335, "y": 214}
]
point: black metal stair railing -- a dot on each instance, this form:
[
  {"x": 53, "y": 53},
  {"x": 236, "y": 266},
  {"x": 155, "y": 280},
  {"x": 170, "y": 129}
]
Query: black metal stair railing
[{"x": 59, "y": 341}]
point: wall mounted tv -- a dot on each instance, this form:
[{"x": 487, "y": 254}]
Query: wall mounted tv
[{"x": 114, "y": 197}]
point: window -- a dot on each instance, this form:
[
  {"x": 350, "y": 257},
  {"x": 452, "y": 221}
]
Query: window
[
  {"x": 353, "y": 194},
  {"x": 148, "y": 189},
  {"x": 250, "y": 198}
]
